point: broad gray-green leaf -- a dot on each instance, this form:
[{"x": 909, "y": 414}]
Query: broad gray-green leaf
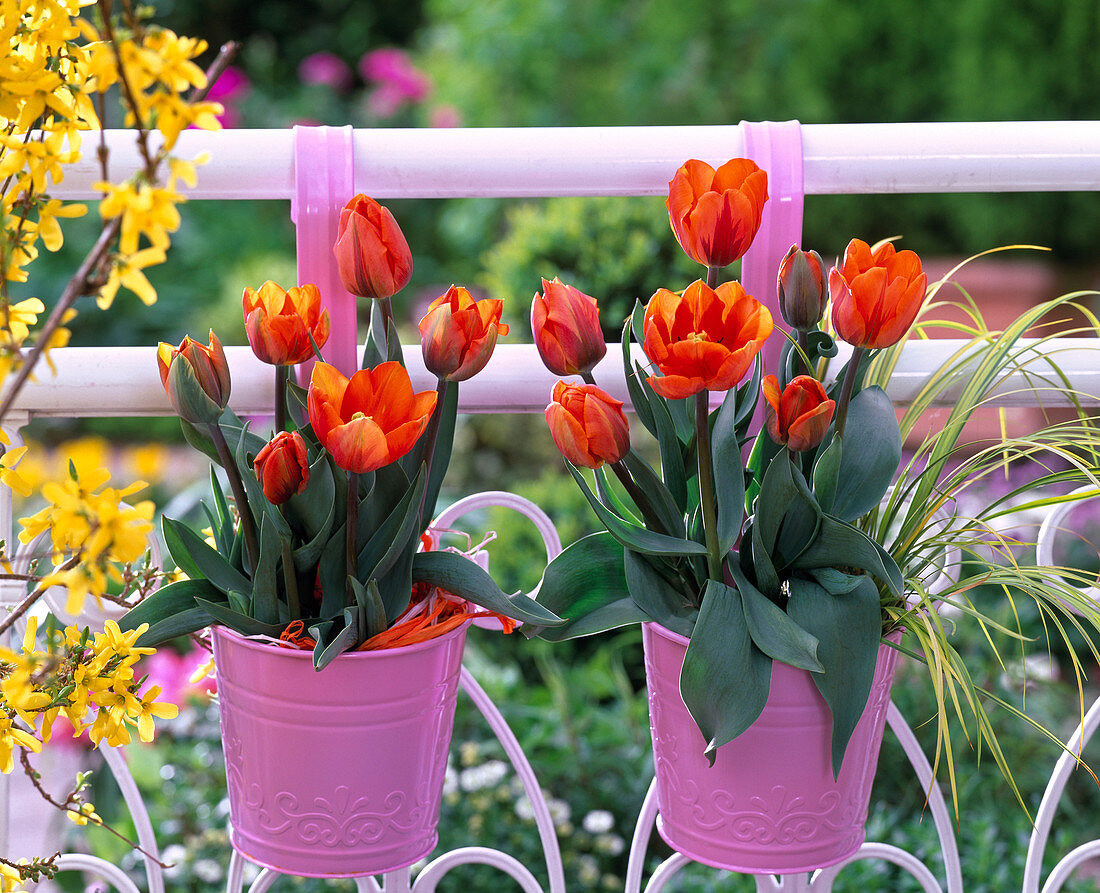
[
  {"x": 842, "y": 545},
  {"x": 197, "y": 559},
  {"x": 265, "y": 588},
  {"x": 729, "y": 473},
  {"x": 657, "y": 596},
  {"x": 871, "y": 456},
  {"x": 772, "y": 630},
  {"x": 586, "y": 587},
  {"x": 726, "y": 678},
  {"x": 242, "y": 623},
  {"x": 458, "y": 575},
  {"x": 326, "y": 650},
  {"x": 631, "y": 535},
  {"x": 826, "y": 470},
  {"x": 163, "y": 610},
  {"x": 848, "y": 628}
]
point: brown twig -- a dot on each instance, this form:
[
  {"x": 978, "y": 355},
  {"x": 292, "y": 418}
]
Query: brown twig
[
  {"x": 22, "y": 608},
  {"x": 128, "y": 92},
  {"x": 67, "y": 806}
]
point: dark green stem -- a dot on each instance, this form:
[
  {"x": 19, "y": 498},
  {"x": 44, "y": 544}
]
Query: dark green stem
[
  {"x": 244, "y": 511},
  {"x": 352, "y": 532},
  {"x": 803, "y": 341},
  {"x": 431, "y": 435},
  {"x": 712, "y": 276},
  {"x": 846, "y": 389},
  {"x": 281, "y": 374},
  {"x": 707, "y": 501}
]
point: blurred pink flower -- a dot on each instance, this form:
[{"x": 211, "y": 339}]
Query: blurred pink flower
[
  {"x": 391, "y": 68},
  {"x": 326, "y": 70},
  {"x": 230, "y": 88},
  {"x": 172, "y": 671},
  {"x": 445, "y": 116}
]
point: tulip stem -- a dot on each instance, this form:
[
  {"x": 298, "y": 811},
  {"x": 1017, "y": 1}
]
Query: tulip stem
[
  {"x": 281, "y": 373},
  {"x": 712, "y": 275},
  {"x": 636, "y": 493},
  {"x": 706, "y": 485},
  {"x": 431, "y": 435},
  {"x": 801, "y": 360},
  {"x": 352, "y": 534},
  {"x": 846, "y": 389},
  {"x": 244, "y": 511}
]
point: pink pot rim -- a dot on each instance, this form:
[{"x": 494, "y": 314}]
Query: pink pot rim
[
  {"x": 307, "y": 653},
  {"x": 665, "y": 633}
]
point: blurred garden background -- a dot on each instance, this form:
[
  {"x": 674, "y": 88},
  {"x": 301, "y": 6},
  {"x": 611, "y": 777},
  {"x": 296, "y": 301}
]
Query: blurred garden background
[{"x": 579, "y": 708}]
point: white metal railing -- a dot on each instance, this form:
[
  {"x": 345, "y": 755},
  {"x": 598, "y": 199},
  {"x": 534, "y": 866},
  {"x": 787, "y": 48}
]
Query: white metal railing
[{"x": 490, "y": 162}]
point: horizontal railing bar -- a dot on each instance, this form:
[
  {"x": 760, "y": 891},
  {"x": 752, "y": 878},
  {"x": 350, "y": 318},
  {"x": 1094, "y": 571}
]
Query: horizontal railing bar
[
  {"x": 123, "y": 381},
  {"x": 1016, "y": 156}
]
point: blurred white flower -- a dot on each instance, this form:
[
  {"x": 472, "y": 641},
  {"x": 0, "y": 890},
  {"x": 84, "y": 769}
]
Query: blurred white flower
[{"x": 598, "y": 821}]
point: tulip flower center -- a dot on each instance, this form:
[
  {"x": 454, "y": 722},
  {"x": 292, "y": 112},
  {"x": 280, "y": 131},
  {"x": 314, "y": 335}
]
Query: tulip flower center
[
  {"x": 697, "y": 337},
  {"x": 361, "y": 415}
]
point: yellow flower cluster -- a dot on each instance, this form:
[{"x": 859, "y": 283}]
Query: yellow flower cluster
[
  {"x": 55, "y": 63},
  {"x": 93, "y": 532},
  {"x": 11, "y": 881},
  {"x": 87, "y": 679}
]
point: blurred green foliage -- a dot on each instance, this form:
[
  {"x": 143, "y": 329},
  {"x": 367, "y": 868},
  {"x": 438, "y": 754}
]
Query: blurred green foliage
[{"x": 592, "y": 62}]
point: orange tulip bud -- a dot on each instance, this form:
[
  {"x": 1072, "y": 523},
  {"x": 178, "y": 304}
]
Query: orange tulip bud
[
  {"x": 196, "y": 378},
  {"x": 587, "y": 424},
  {"x": 715, "y": 214},
  {"x": 371, "y": 252},
  {"x": 458, "y": 334},
  {"x": 876, "y": 296},
  {"x": 704, "y": 339},
  {"x": 279, "y": 323},
  {"x": 566, "y": 325},
  {"x": 369, "y": 420},
  {"x": 801, "y": 289},
  {"x": 800, "y": 415},
  {"x": 282, "y": 467}
]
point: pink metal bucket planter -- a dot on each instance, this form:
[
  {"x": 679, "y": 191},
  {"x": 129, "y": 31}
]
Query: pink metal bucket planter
[
  {"x": 337, "y": 773},
  {"x": 769, "y": 805}
]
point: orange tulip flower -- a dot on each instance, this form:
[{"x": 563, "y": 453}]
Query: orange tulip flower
[
  {"x": 282, "y": 467},
  {"x": 196, "y": 378},
  {"x": 876, "y": 296},
  {"x": 372, "y": 255},
  {"x": 704, "y": 339},
  {"x": 279, "y": 323},
  {"x": 566, "y": 325},
  {"x": 715, "y": 214},
  {"x": 458, "y": 334},
  {"x": 369, "y": 420},
  {"x": 800, "y": 415},
  {"x": 587, "y": 424}
]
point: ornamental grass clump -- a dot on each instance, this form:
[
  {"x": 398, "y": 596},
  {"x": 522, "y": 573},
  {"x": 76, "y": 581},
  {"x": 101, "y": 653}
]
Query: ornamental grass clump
[
  {"x": 325, "y": 543},
  {"x": 817, "y": 547}
]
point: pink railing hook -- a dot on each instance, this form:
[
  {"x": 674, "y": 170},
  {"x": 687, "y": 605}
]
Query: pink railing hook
[
  {"x": 776, "y": 146},
  {"x": 324, "y": 180}
]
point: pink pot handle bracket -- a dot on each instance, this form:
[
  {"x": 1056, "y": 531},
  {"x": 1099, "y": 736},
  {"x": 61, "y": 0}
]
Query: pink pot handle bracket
[
  {"x": 776, "y": 146},
  {"x": 324, "y": 180}
]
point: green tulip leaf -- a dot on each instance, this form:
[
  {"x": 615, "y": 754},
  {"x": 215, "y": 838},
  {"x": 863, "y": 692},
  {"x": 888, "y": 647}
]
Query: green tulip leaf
[
  {"x": 171, "y": 611},
  {"x": 841, "y": 545},
  {"x": 458, "y": 575},
  {"x": 585, "y": 585},
  {"x": 773, "y": 631},
  {"x": 787, "y": 515},
  {"x": 330, "y": 646},
  {"x": 312, "y": 509},
  {"x": 265, "y": 588},
  {"x": 826, "y": 473},
  {"x": 848, "y": 628},
  {"x": 656, "y": 596},
  {"x": 221, "y": 613},
  {"x": 197, "y": 559},
  {"x": 631, "y": 535},
  {"x": 392, "y": 536},
  {"x": 873, "y": 453},
  {"x": 638, "y": 397},
  {"x": 729, "y": 475},
  {"x": 663, "y": 504},
  {"x": 726, "y": 678},
  {"x": 767, "y": 578}
]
